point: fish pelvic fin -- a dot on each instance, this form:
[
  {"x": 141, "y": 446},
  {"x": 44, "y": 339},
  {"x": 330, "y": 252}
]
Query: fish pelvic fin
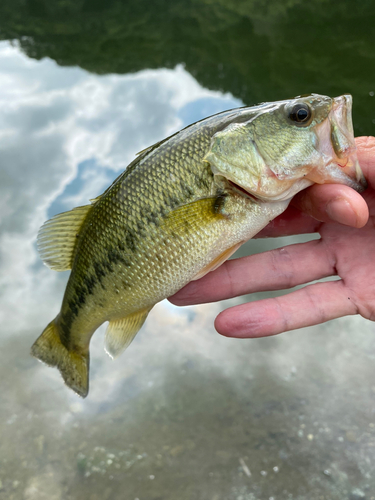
[
  {"x": 57, "y": 238},
  {"x": 73, "y": 366},
  {"x": 121, "y": 332},
  {"x": 220, "y": 259}
]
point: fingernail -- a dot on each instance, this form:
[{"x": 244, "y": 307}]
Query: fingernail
[{"x": 340, "y": 210}]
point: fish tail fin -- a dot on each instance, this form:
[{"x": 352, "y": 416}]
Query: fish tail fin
[{"x": 73, "y": 365}]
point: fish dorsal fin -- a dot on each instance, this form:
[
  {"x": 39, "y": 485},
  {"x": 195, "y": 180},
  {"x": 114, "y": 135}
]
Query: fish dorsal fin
[
  {"x": 217, "y": 261},
  {"x": 58, "y": 236},
  {"x": 149, "y": 148},
  {"x": 121, "y": 332}
]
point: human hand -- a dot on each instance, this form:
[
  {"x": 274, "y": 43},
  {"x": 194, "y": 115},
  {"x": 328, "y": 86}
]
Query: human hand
[{"x": 346, "y": 251}]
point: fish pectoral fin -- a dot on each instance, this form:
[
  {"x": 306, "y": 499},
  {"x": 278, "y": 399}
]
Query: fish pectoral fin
[
  {"x": 196, "y": 214},
  {"x": 121, "y": 332},
  {"x": 57, "y": 238},
  {"x": 217, "y": 261}
]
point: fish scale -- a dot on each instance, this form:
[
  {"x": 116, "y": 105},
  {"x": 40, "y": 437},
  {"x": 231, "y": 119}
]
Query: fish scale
[
  {"x": 180, "y": 209},
  {"x": 159, "y": 196}
]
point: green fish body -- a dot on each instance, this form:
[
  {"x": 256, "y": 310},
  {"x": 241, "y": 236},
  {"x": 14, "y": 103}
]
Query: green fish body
[{"x": 180, "y": 209}]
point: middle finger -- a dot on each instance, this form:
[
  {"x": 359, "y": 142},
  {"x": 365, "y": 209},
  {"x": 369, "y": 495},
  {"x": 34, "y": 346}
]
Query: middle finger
[{"x": 273, "y": 270}]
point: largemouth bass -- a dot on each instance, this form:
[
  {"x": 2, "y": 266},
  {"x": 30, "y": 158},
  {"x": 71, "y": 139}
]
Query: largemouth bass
[{"x": 179, "y": 210}]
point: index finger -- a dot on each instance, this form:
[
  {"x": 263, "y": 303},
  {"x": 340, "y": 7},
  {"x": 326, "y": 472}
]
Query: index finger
[
  {"x": 273, "y": 270},
  {"x": 366, "y": 157}
]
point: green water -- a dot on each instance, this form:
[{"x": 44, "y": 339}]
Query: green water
[
  {"x": 257, "y": 50},
  {"x": 184, "y": 414}
]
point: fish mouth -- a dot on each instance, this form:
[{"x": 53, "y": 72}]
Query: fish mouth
[
  {"x": 240, "y": 190},
  {"x": 336, "y": 145}
]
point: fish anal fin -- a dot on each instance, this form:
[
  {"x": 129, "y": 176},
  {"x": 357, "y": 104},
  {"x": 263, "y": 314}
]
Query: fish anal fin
[
  {"x": 121, "y": 332},
  {"x": 58, "y": 236},
  {"x": 73, "y": 366},
  {"x": 217, "y": 261}
]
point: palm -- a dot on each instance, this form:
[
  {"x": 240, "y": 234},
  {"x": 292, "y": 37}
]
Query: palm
[
  {"x": 345, "y": 251},
  {"x": 350, "y": 252}
]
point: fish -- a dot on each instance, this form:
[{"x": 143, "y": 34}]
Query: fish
[{"x": 180, "y": 209}]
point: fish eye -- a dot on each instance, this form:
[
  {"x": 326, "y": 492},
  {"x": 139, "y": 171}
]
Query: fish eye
[{"x": 300, "y": 114}]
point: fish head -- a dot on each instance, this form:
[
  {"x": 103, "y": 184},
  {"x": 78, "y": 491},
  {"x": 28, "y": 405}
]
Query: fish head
[{"x": 288, "y": 145}]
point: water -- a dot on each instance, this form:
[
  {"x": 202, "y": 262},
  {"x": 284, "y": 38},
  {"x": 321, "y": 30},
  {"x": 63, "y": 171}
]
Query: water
[{"x": 184, "y": 413}]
